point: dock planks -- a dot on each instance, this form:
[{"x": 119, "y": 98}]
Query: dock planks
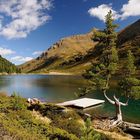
[{"x": 82, "y": 103}]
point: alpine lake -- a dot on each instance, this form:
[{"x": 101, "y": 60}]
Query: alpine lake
[{"x": 59, "y": 88}]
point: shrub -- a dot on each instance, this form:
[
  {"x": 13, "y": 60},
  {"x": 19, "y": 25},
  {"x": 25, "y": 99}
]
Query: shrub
[
  {"x": 18, "y": 122},
  {"x": 18, "y": 103},
  {"x": 67, "y": 120},
  {"x": 90, "y": 134}
]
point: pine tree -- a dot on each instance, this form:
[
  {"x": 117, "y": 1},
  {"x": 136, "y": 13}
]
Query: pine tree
[
  {"x": 100, "y": 75},
  {"x": 129, "y": 83}
]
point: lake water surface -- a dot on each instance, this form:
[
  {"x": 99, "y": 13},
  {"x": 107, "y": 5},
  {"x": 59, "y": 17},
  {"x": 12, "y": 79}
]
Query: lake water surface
[{"x": 57, "y": 88}]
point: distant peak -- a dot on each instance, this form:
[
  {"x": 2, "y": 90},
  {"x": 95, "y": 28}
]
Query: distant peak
[{"x": 93, "y": 30}]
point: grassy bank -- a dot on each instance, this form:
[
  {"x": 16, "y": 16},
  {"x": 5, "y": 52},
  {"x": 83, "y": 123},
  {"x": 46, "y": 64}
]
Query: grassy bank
[
  {"x": 22, "y": 121},
  {"x": 19, "y": 121}
]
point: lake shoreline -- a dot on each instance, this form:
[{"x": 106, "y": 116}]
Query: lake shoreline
[
  {"x": 55, "y": 88},
  {"x": 60, "y": 73},
  {"x": 50, "y": 73}
]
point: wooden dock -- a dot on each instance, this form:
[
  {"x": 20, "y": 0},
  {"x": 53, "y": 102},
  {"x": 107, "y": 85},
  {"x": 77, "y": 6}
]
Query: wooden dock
[{"x": 82, "y": 103}]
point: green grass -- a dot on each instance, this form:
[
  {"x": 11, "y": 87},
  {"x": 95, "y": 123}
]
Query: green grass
[{"x": 18, "y": 123}]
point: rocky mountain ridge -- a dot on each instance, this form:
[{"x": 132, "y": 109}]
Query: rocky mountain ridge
[{"x": 77, "y": 53}]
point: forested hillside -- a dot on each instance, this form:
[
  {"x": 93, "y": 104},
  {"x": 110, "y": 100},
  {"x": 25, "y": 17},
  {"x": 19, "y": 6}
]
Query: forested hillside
[{"x": 7, "y": 67}]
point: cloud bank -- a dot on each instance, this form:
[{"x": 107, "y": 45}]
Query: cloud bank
[
  {"x": 23, "y": 16},
  {"x": 37, "y": 53},
  {"x": 101, "y": 11},
  {"x": 21, "y": 59},
  {"x": 5, "y": 51},
  {"x": 132, "y": 8}
]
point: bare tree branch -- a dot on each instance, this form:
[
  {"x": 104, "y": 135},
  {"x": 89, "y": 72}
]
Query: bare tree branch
[
  {"x": 116, "y": 99},
  {"x": 109, "y": 100},
  {"x": 125, "y": 104}
]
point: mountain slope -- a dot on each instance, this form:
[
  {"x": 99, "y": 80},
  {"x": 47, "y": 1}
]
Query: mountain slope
[
  {"x": 130, "y": 34},
  {"x": 7, "y": 67},
  {"x": 129, "y": 38},
  {"x": 76, "y": 54},
  {"x": 61, "y": 55}
]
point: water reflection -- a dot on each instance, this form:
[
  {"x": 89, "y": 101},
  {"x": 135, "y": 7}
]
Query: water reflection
[
  {"x": 62, "y": 88},
  {"x": 50, "y": 88}
]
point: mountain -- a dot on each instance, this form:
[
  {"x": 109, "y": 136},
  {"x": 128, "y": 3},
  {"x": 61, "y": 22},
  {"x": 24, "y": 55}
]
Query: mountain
[
  {"x": 77, "y": 53},
  {"x": 7, "y": 67},
  {"x": 129, "y": 38},
  {"x": 64, "y": 55}
]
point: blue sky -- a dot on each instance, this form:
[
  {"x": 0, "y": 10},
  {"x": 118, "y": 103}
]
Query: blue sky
[{"x": 29, "y": 27}]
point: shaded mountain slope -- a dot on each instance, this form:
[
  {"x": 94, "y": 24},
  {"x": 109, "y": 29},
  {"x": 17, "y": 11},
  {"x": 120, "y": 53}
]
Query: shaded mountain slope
[
  {"x": 76, "y": 53},
  {"x": 129, "y": 38},
  {"x": 130, "y": 34}
]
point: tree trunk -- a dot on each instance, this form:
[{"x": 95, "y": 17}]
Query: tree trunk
[
  {"x": 117, "y": 104},
  {"x": 118, "y": 114}
]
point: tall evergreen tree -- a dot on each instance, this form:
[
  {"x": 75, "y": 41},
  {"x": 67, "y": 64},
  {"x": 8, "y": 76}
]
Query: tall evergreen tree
[
  {"x": 129, "y": 83},
  {"x": 100, "y": 75}
]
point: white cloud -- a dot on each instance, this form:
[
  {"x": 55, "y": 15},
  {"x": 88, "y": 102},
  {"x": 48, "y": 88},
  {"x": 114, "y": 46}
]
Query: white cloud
[
  {"x": 25, "y": 15},
  {"x": 132, "y": 8},
  {"x": 101, "y": 11},
  {"x": 37, "y": 52},
  {"x": 21, "y": 59},
  {"x": 5, "y": 51}
]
